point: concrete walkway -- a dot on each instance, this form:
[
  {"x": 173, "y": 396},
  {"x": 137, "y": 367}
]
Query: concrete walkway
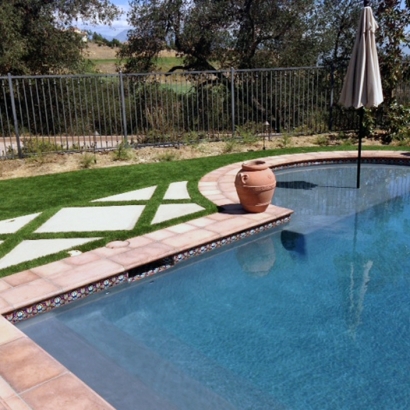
[{"x": 29, "y": 377}]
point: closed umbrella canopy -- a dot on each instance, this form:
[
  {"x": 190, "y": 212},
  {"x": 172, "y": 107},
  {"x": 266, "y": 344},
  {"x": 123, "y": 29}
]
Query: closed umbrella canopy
[{"x": 362, "y": 85}]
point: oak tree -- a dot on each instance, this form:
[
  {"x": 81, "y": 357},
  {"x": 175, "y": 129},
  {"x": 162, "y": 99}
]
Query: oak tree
[
  {"x": 211, "y": 34},
  {"x": 36, "y": 35}
]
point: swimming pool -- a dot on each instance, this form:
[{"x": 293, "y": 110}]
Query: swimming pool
[{"x": 315, "y": 315}]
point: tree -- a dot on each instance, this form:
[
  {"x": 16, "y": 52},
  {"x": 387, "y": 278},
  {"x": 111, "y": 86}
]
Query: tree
[
  {"x": 394, "y": 19},
  {"x": 12, "y": 46},
  {"x": 101, "y": 40},
  {"x": 337, "y": 25},
  {"x": 233, "y": 33},
  {"x": 36, "y": 35}
]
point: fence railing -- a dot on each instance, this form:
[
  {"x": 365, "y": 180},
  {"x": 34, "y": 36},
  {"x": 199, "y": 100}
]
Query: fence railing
[{"x": 96, "y": 112}]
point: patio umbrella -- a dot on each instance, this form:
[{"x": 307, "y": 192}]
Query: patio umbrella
[{"x": 362, "y": 85}]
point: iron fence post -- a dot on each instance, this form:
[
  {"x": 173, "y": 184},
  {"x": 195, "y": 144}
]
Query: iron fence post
[
  {"x": 332, "y": 86},
  {"x": 13, "y": 108},
  {"x": 233, "y": 101},
  {"x": 124, "y": 116}
]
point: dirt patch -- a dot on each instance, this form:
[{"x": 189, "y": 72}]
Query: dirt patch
[
  {"x": 94, "y": 51},
  {"x": 99, "y": 53},
  {"x": 167, "y": 53},
  {"x": 57, "y": 163}
]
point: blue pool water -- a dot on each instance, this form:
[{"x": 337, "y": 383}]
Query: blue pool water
[{"x": 315, "y": 315}]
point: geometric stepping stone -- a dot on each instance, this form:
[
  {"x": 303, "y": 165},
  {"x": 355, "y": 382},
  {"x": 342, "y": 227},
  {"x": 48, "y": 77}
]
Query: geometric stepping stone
[
  {"x": 143, "y": 194},
  {"x": 14, "y": 224},
  {"x": 32, "y": 249},
  {"x": 97, "y": 218},
  {"x": 171, "y": 211},
  {"x": 177, "y": 190}
]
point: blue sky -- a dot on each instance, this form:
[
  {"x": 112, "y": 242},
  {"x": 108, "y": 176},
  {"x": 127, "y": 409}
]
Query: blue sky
[{"x": 117, "y": 26}]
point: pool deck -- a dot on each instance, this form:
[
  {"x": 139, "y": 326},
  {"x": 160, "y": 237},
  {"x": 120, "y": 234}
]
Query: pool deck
[{"x": 29, "y": 377}]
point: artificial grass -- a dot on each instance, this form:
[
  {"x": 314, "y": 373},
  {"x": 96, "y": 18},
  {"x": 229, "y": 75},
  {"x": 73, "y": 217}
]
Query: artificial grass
[{"x": 49, "y": 193}]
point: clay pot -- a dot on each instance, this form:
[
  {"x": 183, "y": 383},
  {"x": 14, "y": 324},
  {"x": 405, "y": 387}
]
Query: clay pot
[{"x": 255, "y": 184}]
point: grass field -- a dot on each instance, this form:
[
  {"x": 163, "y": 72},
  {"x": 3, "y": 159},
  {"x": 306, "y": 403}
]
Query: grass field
[
  {"x": 105, "y": 60},
  {"x": 108, "y": 65}
]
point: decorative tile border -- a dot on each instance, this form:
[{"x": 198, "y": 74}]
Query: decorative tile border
[
  {"x": 135, "y": 274},
  {"x": 64, "y": 298}
]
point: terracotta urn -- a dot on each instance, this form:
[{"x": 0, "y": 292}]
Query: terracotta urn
[{"x": 255, "y": 184}]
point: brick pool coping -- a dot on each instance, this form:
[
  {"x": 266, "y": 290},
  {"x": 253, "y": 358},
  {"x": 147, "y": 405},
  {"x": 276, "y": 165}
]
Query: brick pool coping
[{"x": 29, "y": 377}]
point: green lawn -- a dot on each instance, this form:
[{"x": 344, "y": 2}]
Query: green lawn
[
  {"x": 49, "y": 193},
  {"x": 105, "y": 60},
  {"x": 164, "y": 64}
]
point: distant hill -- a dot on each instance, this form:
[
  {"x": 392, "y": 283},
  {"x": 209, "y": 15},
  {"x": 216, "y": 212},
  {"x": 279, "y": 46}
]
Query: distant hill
[{"x": 122, "y": 36}]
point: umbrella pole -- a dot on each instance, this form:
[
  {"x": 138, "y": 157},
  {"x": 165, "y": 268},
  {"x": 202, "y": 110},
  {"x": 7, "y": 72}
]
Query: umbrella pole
[{"x": 359, "y": 152}]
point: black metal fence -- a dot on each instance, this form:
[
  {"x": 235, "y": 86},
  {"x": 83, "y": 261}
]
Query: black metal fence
[{"x": 96, "y": 112}]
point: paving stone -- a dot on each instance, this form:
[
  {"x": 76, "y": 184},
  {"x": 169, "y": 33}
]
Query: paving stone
[
  {"x": 177, "y": 190},
  {"x": 89, "y": 219},
  {"x": 143, "y": 194},
  {"x": 171, "y": 211},
  {"x": 14, "y": 224},
  {"x": 33, "y": 249}
]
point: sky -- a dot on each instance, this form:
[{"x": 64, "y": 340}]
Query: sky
[{"x": 117, "y": 26}]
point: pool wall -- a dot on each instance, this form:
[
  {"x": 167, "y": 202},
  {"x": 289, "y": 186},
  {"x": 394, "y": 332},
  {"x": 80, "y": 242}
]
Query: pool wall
[{"x": 28, "y": 374}]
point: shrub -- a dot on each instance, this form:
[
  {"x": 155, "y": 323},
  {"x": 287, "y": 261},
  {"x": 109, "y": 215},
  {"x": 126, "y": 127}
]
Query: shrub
[
  {"x": 285, "y": 141},
  {"x": 167, "y": 156},
  {"x": 87, "y": 160},
  {"x": 191, "y": 138},
  {"x": 123, "y": 152},
  {"x": 405, "y": 142},
  {"x": 229, "y": 146},
  {"x": 39, "y": 146},
  {"x": 398, "y": 122},
  {"x": 249, "y": 132},
  {"x": 322, "y": 140}
]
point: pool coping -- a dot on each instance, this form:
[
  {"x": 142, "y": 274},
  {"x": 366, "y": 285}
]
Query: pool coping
[{"x": 28, "y": 373}]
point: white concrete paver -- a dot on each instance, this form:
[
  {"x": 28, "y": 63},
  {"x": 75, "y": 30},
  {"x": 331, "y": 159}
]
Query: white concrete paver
[
  {"x": 33, "y": 249},
  {"x": 143, "y": 194},
  {"x": 177, "y": 190},
  {"x": 12, "y": 225},
  {"x": 166, "y": 212},
  {"x": 89, "y": 219}
]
